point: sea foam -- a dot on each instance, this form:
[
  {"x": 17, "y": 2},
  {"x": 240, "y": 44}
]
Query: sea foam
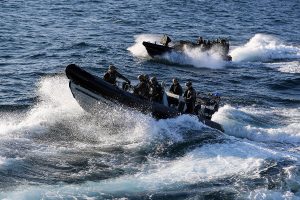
[
  {"x": 262, "y": 47},
  {"x": 211, "y": 162},
  {"x": 286, "y": 67},
  {"x": 242, "y": 122},
  {"x": 55, "y": 103}
]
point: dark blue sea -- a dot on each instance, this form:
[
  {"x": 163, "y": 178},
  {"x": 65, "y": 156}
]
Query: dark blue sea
[{"x": 50, "y": 148}]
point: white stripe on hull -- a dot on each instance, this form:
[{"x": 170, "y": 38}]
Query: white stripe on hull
[{"x": 88, "y": 100}]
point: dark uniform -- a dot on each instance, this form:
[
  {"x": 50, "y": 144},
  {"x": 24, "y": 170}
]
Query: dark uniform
[
  {"x": 141, "y": 89},
  {"x": 147, "y": 80},
  {"x": 175, "y": 89},
  {"x": 156, "y": 91},
  {"x": 190, "y": 98},
  {"x": 200, "y": 41},
  {"x": 111, "y": 76}
]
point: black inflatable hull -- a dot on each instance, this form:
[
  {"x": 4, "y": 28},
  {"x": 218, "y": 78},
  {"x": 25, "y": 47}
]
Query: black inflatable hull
[
  {"x": 156, "y": 49},
  {"x": 88, "y": 89}
]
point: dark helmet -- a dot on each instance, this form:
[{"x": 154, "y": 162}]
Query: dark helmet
[
  {"x": 146, "y": 77},
  {"x": 141, "y": 77},
  {"x": 111, "y": 67},
  {"x": 188, "y": 84},
  {"x": 175, "y": 80},
  {"x": 153, "y": 79}
]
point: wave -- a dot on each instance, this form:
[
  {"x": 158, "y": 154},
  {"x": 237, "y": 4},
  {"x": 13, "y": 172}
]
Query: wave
[
  {"x": 293, "y": 67},
  {"x": 262, "y": 47},
  {"x": 286, "y": 67},
  {"x": 51, "y": 107},
  {"x": 189, "y": 56},
  {"x": 259, "y": 194},
  {"x": 203, "y": 165},
  {"x": 292, "y": 83},
  {"x": 273, "y": 125},
  {"x": 2, "y": 160}
]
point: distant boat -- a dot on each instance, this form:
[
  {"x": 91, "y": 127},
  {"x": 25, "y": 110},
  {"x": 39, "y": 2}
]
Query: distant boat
[{"x": 220, "y": 46}]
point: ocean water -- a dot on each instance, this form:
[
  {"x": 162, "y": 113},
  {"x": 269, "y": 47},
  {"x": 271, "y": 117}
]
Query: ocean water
[{"x": 50, "y": 148}]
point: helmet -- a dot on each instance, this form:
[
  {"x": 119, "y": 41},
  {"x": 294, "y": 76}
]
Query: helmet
[
  {"x": 146, "y": 76},
  {"x": 141, "y": 77},
  {"x": 112, "y": 67},
  {"x": 189, "y": 83},
  {"x": 153, "y": 79}
]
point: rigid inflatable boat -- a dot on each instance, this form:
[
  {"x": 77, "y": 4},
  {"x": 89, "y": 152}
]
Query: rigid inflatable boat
[
  {"x": 220, "y": 47},
  {"x": 88, "y": 90}
]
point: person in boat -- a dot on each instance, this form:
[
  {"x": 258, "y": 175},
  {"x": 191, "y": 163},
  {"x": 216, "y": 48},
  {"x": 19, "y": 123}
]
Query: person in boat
[
  {"x": 200, "y": 41},
  {"x": 204, "y": 45},
  {"x": 112, "y": 74},
  {"x": 165, "y": 40},
  {"x": 215, "y": 100},
  {"x": 189, "y": 97},
  {"x": 209, "y": 44},
  {"x": 175, "y": 89},
  {"x": 146, "y": 76},
  {"x": 156, "y": 90},
  {"x": 225, "y": 45},
  {"x": 147, "y": 80},
  {"x": 141, "y": 89}
]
